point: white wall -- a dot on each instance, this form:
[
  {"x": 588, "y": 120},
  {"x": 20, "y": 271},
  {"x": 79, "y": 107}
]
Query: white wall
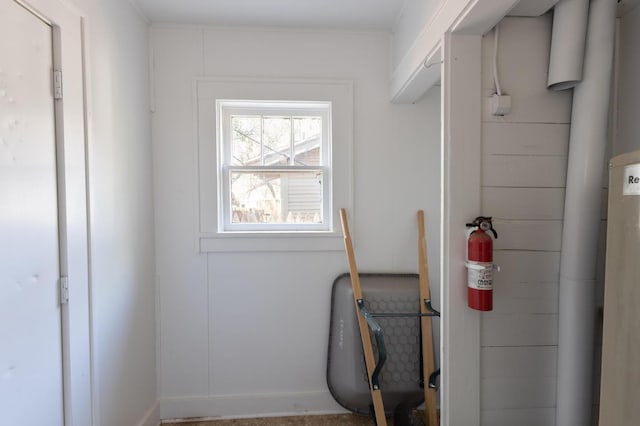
[
  {"x": 524, "y": 158},
  {"x": 412, "y": 19},
  {"x": 121, "y": 216},
  {"x": 628, "y": 131},
  {"x": 245, "y": 334}
]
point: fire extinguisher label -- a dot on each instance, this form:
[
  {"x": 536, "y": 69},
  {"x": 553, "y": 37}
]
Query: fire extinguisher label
[
  {"x": 631, "y": 185},
  {"x": 480, "y": 275}
]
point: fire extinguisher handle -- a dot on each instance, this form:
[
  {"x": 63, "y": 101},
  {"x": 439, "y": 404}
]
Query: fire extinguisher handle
[
  {"x": 484, "y": 223},
  {"x": 494, "y": 232}
]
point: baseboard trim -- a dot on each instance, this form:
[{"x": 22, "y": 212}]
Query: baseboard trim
[
  {"x": 152, "y": 416},
  {"x": 249, "y": 406}
]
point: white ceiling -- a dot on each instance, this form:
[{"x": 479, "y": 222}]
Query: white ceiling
[
  {"x": 532, "y": 7},
  {"x": 338, "y": 14},
  {"x": 351, "y": 14}
]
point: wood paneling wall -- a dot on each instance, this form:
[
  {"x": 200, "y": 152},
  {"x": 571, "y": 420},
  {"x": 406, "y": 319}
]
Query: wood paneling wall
[{"x": 524, "y": 156}]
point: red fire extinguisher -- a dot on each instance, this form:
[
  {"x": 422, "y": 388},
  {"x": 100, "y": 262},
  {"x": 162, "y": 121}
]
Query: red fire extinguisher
[{"x": 480, "y": 264}]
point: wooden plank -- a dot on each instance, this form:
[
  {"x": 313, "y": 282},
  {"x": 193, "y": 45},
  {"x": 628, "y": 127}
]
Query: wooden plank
[
  {"x": 428, "y": 364},
  {"x": 521, "y": 417},
  {"x": 525, "y": 139},
  {"x": 519, "y": 377},
  {"x": 524, "y": 171},
  {"x": 523, "y": 267},
  {"x": 519, "y": 362},
  {"x": 527, "y": 392},
  {"x": 528, "y": 235},
  {"x": 544, "y": 299},
  {"x": 367, "y": 346},
  {"x": 519, "y": 330},
  {"x": 511, "y": 289},
  {"x": 523, "y": 203},
  {"x": 527, "y": 282}
]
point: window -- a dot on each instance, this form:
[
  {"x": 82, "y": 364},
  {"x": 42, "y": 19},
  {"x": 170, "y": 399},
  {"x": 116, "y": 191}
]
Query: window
[
  {"x": 274, "y": 165},
  {"x": 271, "y": 175}
]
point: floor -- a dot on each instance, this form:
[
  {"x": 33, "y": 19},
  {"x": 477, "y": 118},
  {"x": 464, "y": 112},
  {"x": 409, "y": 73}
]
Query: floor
[{"x": 327, "y": 420}]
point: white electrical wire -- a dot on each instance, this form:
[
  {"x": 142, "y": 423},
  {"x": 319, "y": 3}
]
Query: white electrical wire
[{"x": 496, "y": 34}]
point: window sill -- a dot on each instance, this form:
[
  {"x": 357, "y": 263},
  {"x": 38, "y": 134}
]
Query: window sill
[{"x": 271, "y": 242}]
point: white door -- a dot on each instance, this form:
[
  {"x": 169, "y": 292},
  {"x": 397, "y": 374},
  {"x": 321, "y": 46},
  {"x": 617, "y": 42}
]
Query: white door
[{"x": 31, "y": 390}]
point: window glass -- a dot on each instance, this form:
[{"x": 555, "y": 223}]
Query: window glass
[
  {"x": 276, "y": 198},
  {"x": 274, "y": 166},
  {"x": 277, "y": 140},
  {"x": 246, "y": 140},
  {"x": 307, "y": 137}
]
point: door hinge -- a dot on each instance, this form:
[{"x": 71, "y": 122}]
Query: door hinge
[
  {"x": 57, "y": 84},
  {"x": 64, "y": 290}
]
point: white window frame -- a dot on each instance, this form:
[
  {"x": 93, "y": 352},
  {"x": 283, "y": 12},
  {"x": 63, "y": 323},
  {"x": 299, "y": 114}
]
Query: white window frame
[
  {"x": 225, "y": 108},
  {"x": 206, "y": 91}
]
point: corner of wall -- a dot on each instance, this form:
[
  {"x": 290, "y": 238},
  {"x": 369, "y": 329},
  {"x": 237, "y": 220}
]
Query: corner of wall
[{"x": 152, "y": 416}]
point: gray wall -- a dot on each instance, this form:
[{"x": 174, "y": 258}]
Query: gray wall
[{"x": 524, "y": 157}]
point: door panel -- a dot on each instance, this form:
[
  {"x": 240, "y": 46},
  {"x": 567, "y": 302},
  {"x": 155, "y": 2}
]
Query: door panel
[{"x": 31, "y": 390}]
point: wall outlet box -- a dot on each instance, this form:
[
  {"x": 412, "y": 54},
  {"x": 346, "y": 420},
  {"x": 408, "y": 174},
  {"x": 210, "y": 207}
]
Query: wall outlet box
[{"x": 500, "y": 104}]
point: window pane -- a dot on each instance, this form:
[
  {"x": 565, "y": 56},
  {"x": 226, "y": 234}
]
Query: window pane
[
  {"x": 307, "y": 134},
  {"x": 246, "y": 135},
  {"x": 277, "y": 140},
  {"x": 276, "y": 197}
]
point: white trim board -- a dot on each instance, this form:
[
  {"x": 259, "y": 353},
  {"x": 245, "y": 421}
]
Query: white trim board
[
  {"x": 152, "y": 416},
  {"x": 460, "y": 203},
  {"x": 263, "y": 405}
]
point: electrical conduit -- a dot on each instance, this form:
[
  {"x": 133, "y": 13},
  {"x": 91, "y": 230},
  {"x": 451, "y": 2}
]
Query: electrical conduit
[
  {"x": 587, "y": 147},
  {"x": 568, "y": 44}
]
